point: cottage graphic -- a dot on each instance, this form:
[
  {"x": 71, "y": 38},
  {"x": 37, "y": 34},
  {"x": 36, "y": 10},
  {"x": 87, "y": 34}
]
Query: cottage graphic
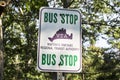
[{"x": 61, "y": 34}]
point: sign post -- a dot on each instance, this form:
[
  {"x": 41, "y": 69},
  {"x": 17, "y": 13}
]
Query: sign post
[{"x": 59, "y": 41}]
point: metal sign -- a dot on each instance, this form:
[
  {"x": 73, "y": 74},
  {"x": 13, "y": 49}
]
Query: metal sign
[{"x": 59, "y": 41}]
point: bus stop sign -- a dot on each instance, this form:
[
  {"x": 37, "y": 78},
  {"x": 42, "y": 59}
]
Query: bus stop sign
[{"x": 59, "y": 40}]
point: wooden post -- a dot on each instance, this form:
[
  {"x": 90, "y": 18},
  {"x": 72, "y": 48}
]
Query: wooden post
[
  {"x": 60, "y": 76},
  {"x": 66, "y": 4}
]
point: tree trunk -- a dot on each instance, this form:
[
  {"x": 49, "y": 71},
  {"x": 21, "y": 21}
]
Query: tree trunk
[
  {"x": 1, "y": 51},
  {"x": 2, "y": 6}
]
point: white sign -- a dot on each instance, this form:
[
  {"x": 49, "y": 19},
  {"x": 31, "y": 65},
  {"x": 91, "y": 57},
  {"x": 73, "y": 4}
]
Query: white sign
[{"x": 59, "y": 41}]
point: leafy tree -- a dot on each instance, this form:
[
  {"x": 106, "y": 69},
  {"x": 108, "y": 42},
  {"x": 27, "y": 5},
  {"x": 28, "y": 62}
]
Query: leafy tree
[
  {"x": 20, "y": 40},
  {"x": 100, "y": 19},
  {"x": 97, "y": 22}
]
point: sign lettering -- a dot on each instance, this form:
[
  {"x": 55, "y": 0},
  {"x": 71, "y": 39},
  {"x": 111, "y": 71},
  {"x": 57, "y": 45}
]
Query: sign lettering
[{"x": 64, "y": 18}]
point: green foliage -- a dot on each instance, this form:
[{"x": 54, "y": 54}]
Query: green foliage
[
  {"x": 99, "y": 18},
  {"x": 20, "y": 40}
]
